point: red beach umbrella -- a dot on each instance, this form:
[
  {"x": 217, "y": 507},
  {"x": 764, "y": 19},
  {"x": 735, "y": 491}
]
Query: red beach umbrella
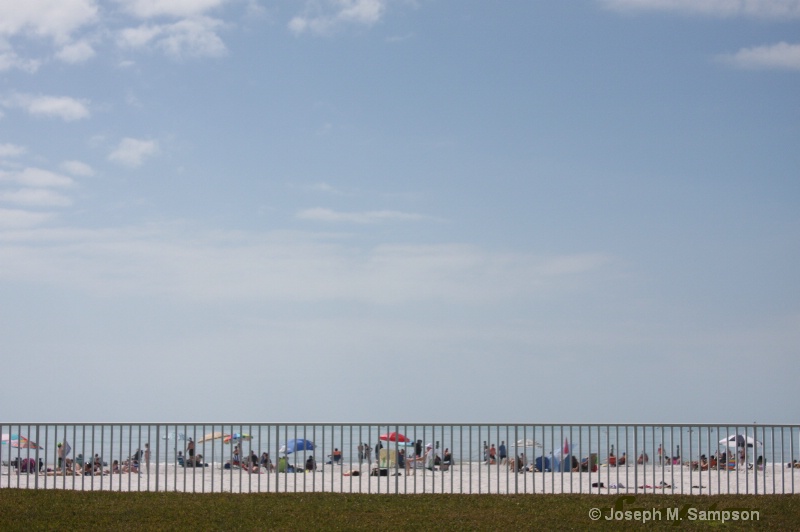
[{"x": 394, "y": 436}]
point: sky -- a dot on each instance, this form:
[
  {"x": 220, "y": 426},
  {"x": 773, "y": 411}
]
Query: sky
[{"x": 386, "y": 211}]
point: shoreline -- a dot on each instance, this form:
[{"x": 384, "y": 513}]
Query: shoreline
[{"x": 463, "y": 478}]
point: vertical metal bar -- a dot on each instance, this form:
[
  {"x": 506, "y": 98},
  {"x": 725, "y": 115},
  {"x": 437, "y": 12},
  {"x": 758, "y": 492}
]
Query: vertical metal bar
[
  {"x": 533, "y": 458},
  {"x": 791, "y": 455},
  {"x": 552, "y": 455},
  {"x": 563, "y": 458},
  {"x": 37, "y": 457},
  {"x": 360, "y": 459},
  {"x": 102, "y": 453},
  {"x": 783, "y": 458},
  {"x": 485, "y": 457}
]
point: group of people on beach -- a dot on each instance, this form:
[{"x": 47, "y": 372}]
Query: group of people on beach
[{"x": 95, "y": 466}]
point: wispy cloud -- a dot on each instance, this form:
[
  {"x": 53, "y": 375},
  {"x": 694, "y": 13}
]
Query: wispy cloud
[
  {"x": 77, "y": 52},
  {"x": 328, "y": 15},
  {"x": 280, "y": 266},
  {"x": 777, "y": 9},
  {"x": 64, "y": 107},
  {"x": 35, "y": 197},
  {"x": 168, "y": 8},
  {"x": 53, "y": 19},
  {"x": 11, "y": 150},
  {"x": 195, "y": 37},
  {"x": 367, "y": 217},
  {"x": 21, "y": 219},
  {"x": 324, "y": 188},
  {"x": 10, "y": 60},
  {"x": 133, "y": 152},
  {"x": 36, "y": 177},
  {"x": 77, "y": 168},
  {"x": 781, "y": 56}
]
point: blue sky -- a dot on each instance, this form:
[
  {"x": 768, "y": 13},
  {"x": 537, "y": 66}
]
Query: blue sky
[{"x": 400, "y": 210}]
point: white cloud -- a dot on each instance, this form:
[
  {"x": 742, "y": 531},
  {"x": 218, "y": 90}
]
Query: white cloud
[
  {"x": 196, "y": 37},
  {"x": 323, "y": 188},
  {"x": 35, "y": 197},
  {"x": 54, "y": 19},
  {"x": 326, "y": 16},
  {"x": 718, "y": 8},
  {"x": 20, "y": 219},
  {"x": 10, "y": 59},
  {"x": 36, "y": 177},
  {"x": 139, "y": 36},
  {"x": 133, "y": 152},
  {"x": 169, "y": 8},
  {"x": 77, "y": 168},
  {"x": 77, "y": 52},
  {"x": 11, "y": 150},
  {"x": 782, "y": 56},
  {"x": 285, "y": 267},
  {"x": 368, "y": 217},
  {"x": 63, "y": 107}
]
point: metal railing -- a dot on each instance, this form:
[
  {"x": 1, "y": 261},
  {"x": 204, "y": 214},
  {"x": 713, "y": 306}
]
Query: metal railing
[{"x": 402, "y": 458}]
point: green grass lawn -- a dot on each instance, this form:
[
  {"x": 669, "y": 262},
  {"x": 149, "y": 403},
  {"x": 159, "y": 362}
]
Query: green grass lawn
[{"x": 73, "y": 510}]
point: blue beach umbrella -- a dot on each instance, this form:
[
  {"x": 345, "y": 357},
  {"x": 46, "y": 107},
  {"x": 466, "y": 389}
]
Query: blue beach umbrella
[{"x": 297, "y": 445}]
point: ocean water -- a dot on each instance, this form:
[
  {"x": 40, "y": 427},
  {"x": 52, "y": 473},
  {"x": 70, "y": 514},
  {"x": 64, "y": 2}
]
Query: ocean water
[{"x": 466, "y": 442}]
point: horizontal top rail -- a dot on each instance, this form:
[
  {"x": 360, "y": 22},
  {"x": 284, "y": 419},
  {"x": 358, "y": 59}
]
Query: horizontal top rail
[{"x": 403, "y": 424}]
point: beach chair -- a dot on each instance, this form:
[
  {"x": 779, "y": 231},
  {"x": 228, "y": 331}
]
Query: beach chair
[
  {"x": 589, "y": 462},
  {"x": 285, "y": 467},
  {"x": 386, "y": 458}
]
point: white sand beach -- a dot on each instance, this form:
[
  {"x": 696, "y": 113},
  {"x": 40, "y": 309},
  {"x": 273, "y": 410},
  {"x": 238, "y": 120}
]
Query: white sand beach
[{"x": 464, "y": 478}]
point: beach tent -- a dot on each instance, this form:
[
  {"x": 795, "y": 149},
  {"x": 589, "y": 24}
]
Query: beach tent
[
  {"x": 542, "y": 463},
  {"x": 561, "y": 460}
]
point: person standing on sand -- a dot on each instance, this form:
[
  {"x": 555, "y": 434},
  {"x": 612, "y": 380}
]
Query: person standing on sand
[
  {"x": 147, "y": 457},
  {"x": 190, "y": 450},
  {"x": 502, "y": 452},
  {"x": 360, "y": 452}
]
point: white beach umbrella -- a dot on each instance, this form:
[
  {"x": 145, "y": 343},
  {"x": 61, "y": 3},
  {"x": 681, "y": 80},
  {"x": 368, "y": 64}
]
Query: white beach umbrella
[{"x": 739, "y": 440}]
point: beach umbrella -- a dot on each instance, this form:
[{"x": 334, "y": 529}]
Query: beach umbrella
[
  {"x": 211, "y": 436},
  {"x": 394, "y": 436},
  {"x": 19, "y": 442},
  {"x": 738, "y": 440},
  {"x": 297, "y": 445},
  {"x": 529, "y": 443},
  {"x": 236, "y": 437},
  {"x": 397, "y": 438}
]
